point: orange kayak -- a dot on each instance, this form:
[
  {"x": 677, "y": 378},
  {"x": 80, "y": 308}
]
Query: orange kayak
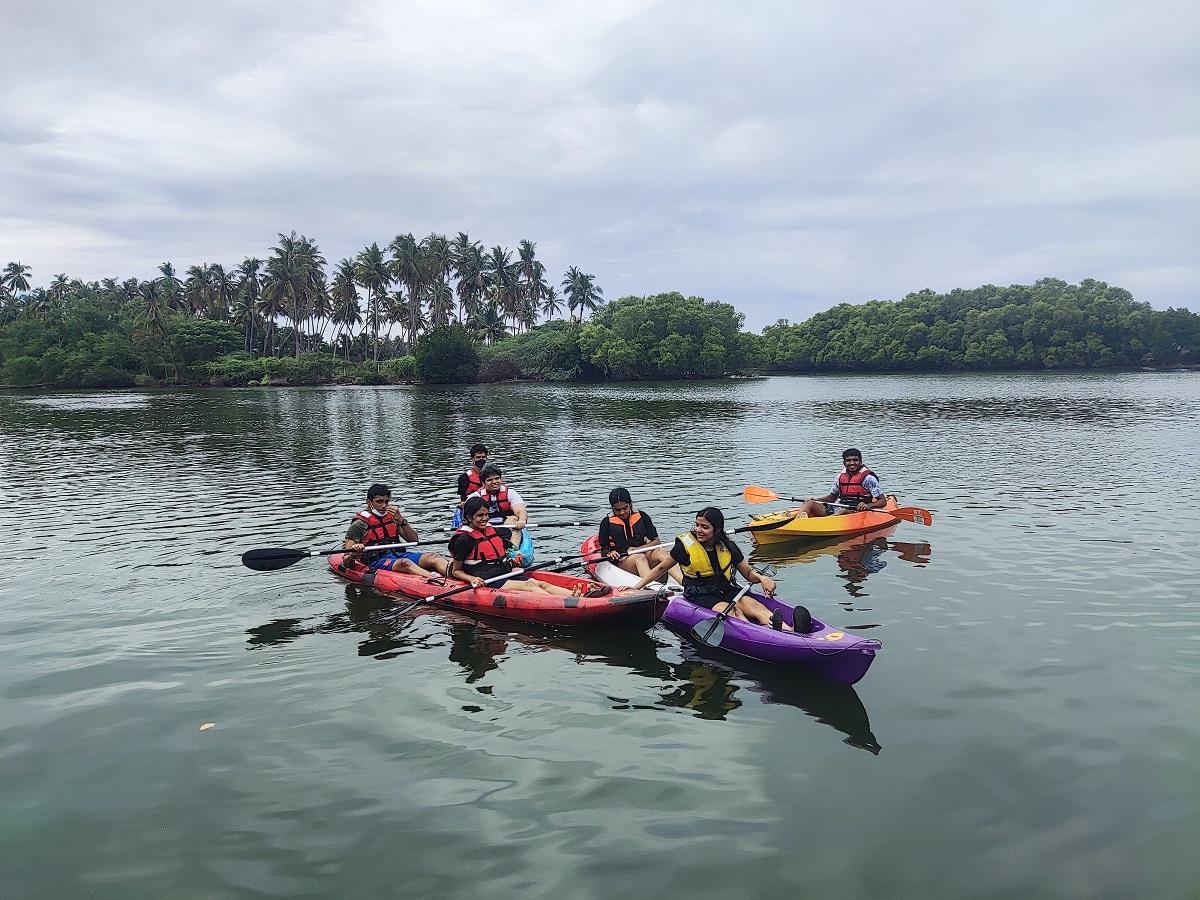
[{"x": 818, "y": 527}]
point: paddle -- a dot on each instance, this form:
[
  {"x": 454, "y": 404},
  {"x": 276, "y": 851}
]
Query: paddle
[
  {"x": 268, "y": 559},
  {"x": 512, "y": 573},
  {"x": 527, "y": 525},
  {"x": 710, "y": 631},
  {"x": 915, "y": 514}
]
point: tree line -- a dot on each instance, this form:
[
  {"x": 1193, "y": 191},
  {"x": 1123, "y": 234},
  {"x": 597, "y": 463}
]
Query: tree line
[
  {"x": 446, "y": 311},
  {"x": 370, "y": 307}
]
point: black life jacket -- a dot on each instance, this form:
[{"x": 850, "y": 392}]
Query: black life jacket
[{"x": 633, "y": 531}]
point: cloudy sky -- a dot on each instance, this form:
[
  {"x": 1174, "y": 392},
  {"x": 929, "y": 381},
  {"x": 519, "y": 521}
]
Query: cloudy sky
[{"x": 779, "y": 155}]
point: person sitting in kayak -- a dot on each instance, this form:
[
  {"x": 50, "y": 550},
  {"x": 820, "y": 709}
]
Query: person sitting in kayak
[
  {"x": 505, "y": 506},
  {"x": 627, "y": 528},
  {"x": 478, "y": 553},
  {"x": 382, "y": 523},
  {"x": 708, "y": 557},
  {"x": 471, "y": 481},
  {"x": 856, "y": 489}
]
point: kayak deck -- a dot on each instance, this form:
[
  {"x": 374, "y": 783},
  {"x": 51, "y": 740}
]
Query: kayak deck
[{"x": 818, "y": 527}]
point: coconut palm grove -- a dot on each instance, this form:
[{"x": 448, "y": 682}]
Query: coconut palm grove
[{"x": 444, "y": 310}]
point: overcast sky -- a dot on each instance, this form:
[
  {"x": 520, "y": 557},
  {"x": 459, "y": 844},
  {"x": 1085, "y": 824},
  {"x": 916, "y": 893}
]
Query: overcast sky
[{"x": 780, "y": 156}]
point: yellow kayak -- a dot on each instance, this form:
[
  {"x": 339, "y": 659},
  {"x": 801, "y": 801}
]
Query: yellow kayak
[{"x": 766, "y": 529}]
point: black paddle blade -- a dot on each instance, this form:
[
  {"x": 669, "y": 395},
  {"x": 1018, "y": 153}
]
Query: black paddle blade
[
  {"x": 710, "y": 631},
  {"x": 268, "y": 559}
]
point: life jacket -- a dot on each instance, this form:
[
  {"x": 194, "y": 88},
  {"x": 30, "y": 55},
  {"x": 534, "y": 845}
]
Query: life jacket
[
  {"x": 498, "y": 506},
  {"x": 487, "y": 557},
  {"x": 474, "y": 482},
  {"x": 698, "y": 575},
  {"x": 634, "y": 532},
  {"x": 850, "y": 487},
  {"x": 381, "y": 529}
]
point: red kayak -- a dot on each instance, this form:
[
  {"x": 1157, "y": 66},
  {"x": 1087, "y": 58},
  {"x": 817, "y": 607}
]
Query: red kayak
[{"x": 608, "y": 609}]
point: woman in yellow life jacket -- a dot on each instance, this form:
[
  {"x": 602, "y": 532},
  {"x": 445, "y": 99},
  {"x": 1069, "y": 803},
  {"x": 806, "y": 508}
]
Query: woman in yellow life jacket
[{"x": 709, "y": 557}]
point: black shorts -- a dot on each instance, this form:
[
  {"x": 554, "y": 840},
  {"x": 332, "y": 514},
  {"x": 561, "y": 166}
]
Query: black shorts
[{"x": 709, "y": 598}]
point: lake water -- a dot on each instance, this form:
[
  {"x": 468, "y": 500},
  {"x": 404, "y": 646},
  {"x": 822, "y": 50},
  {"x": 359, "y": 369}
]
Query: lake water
[{"x": 1030, "y": 729}]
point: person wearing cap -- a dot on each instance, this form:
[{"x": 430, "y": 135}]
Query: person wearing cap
[
  {"x": 856, "y": 489},
  {"x": 627, "y": 529},
  {"x": 382, "y": 523},
  {"x": 708, "y": 558}
]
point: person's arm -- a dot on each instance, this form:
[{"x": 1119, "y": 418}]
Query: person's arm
[
  {"x": 767, "y": 584},
  {"x": 406, "y": 530},
  {"x": 460, "y": 547},
  {"x": 666, "y": 563},
  {"x": 871, "y": 483},
  {"x": 519, "y": 515},
  {"x": 608, "y": 544},
  {"x": 651, "y": 532},
  {"x": 354, "y": 535}
]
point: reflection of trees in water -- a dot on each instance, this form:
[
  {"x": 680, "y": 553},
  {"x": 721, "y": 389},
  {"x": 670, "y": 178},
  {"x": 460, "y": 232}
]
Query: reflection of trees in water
[{"x": 711, "y": 686}]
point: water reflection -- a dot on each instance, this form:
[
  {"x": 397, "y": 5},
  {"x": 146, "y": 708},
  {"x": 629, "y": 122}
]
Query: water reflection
[
  {"x": 858, "y": 557},
  {"x": 710, "y": 688}
]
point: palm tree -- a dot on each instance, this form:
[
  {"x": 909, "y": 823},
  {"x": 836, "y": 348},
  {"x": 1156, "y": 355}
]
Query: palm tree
[
  {"x": 504, "y": 287},
  {"x": 533, "y": 280},
  {"x": 408, "y": 270},
  {"x": 581, "y": 292},
  {"x": 295, "y": 276},
  {"x": 170, "y": 286},
  {"x": 551, "y": 305},
  {"x": 489, "y": 322},
  {"x": 346, "y": 311},
  {"x": 372, "y": 272},
  {"x": 16, "y": 277},
  {"x": 471, "y": 271},
  {"x": 197, "y": 290},
  {"x": 248, "y": 297}
]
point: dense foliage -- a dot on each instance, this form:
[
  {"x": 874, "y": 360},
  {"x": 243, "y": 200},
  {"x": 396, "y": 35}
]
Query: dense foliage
[
  {"x": 1051, "y": 325},
  {"x": 283, "y": 324}
]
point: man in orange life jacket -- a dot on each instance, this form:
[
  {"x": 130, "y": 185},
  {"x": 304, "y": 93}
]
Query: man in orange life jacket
[
  {"x": 855, "y": 489},
  {"x": 505, "y": 506},
  {"x": 381, "y": 523}
]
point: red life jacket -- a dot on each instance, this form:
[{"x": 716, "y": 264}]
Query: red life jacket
[
  {"x": 634, "y": 532},
  {"x": 474, "y": 482},
  {"x": 487, "y": 554},
  {"x": 850, "y": 487},
  {"x": 498, "y": 506},
  {"x": 380, "y": 529}
]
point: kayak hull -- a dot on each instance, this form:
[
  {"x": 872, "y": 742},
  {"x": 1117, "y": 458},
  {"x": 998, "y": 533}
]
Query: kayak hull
[
  {"x": 819, "y": 527},
  {"x": 828, "y": 651},
  {"x": 628, "y": 609}
]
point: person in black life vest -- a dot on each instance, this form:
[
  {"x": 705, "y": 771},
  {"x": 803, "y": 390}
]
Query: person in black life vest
[
  {"x": 382, "y": 523},
  {"x": 628, "y": 528},
  {"x": 709, "y": 557},
  {"x": 471, "y": 481},
  {"x": 856, "y": 489},
  {"x": 478, "y": 552},
  {"x": 505, "y": 505}
]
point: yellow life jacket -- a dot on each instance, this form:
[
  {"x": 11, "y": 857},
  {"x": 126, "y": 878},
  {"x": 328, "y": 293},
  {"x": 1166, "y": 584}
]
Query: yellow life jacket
[{"x": 699, "y": 564}]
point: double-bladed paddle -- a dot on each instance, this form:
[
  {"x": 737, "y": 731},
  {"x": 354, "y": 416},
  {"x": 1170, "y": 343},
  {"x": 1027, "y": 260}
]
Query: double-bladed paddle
[
  {"x": 512, "y": 573},
  {"x": 754, "y": 494},
  {"x": 710, "y": 631},
  {"x": 268, "y": 559}
]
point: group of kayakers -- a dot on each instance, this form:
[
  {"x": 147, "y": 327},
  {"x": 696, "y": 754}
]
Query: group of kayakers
[{"x": 703, "y": 560}]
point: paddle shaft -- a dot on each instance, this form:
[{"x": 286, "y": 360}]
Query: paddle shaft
[{"x": 269, "y": 559}]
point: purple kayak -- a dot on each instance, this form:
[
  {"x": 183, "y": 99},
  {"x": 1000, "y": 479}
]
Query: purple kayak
[{"x": 835, "y": 654}]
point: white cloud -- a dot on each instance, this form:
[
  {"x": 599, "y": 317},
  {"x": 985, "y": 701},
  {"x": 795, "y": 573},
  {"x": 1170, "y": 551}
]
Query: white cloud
[{"x": 780, "y": 156}]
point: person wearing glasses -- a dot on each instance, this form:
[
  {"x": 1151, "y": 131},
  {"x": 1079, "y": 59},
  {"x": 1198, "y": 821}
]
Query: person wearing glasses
[
  {"x": 382, "y": 523},
  {"x": 856, "y": 489}
]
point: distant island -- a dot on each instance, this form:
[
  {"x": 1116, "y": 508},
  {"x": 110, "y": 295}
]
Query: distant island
[{"x": 448, "y": 311}]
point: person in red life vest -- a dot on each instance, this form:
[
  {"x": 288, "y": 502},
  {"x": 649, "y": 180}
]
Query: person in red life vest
[
  {"x": 478, "y": 553},
  {"x": 855, "y": 489},
  {"x": 628, "y": 528},
  {"x": 382, "y": 523},
  {"x": 471, "y": 481},
  {"x": 505, "y": 506},
  {"x": 709, "y": 557}
]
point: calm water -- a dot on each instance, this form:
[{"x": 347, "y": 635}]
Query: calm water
[{"x": 1030, "y": 729}]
